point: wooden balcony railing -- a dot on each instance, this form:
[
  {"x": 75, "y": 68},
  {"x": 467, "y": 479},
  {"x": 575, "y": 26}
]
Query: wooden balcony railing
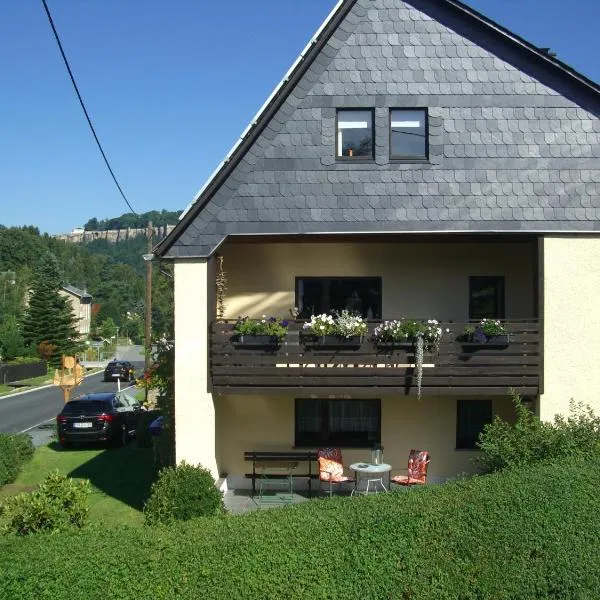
[{"x": 457, "y": 369}]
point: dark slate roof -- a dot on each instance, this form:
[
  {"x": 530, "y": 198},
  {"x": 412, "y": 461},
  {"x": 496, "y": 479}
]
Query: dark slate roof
[
  {"x": 514, "y": 136},
  {"x": 76, "y": 291}
]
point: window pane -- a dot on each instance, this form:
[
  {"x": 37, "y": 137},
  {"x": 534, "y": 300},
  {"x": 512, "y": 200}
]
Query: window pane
[
  {"x": 309, "y": 422},
  {"x": 351, "y": 423},
  {"x": 486, "y": 297},
  {"x": 408, "y": 135},
  {"x": 360, "y": 295},
  {"x": 472, "y": 415},
  {"x": 355, "y": 133}
]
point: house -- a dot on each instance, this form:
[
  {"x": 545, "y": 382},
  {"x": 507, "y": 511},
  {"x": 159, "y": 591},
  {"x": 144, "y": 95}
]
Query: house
[
  {"x": 81, "y": 305},
  {"x": 439, "y": 166}
]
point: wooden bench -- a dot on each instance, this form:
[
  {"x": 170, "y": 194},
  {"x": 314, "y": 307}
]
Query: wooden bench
[{"x": 299, "y": 456}]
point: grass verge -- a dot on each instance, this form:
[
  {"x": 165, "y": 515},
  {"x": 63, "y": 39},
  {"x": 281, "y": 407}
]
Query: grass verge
[
  {"x": 120, "y": 478},
  {"x": 32, "y": 383}
]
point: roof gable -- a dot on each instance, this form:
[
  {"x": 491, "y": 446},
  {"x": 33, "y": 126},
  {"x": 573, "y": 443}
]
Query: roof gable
[{"x": 497, "y": 155}]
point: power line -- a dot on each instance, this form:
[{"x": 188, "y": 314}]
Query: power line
[{"x": 87, "y": 116}]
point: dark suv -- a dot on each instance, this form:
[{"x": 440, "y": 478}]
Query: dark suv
[
  {"x": 119, "y": 369},
  {"x": 103, "y": 417}
]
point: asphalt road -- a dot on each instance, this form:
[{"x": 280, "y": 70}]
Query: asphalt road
[{"x": 27, "y": 410}]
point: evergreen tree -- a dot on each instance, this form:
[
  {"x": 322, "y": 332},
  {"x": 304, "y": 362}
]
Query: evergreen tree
[{"x": 49, "y": 318}]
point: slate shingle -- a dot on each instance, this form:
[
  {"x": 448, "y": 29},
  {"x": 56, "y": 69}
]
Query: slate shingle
[{"x": 506, "y": 150}]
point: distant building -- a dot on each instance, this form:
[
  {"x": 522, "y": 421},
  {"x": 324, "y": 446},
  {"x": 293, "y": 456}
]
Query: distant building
[{"x": 81, "y": 304}]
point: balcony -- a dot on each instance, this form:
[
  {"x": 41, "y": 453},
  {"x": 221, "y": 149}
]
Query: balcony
[{"x": 368, "y": 371}]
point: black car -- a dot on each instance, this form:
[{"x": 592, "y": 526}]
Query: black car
[
  {"x": 102, "y": 417},
  {"x": 122, "y": 370}
]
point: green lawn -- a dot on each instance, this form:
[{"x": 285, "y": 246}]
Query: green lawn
[{"x": 120, "y": 478}]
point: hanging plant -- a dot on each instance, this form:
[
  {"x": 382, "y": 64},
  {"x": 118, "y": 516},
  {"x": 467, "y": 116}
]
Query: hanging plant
[
  {"x": 221, "y": 287},
  {"x": 419, "y": 353}
]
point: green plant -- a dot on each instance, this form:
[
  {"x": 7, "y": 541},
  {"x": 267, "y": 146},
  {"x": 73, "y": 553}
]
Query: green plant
[
  {"x": 409, "y": 330},
  {"x": 423, "y": 334},
  {"x": 483, "y": 330},
  {"x": 527, "y": 533},
  {"x": 265, "y": 326},
  {"x": 343, "y": 324},
  {"x": 529, "y": 440},
  {"x": 15, "y": 450},
  {"x": 58, "y": 504},
  {"x": 221, "y": 287},
  {"x": 181, "y": 493}
]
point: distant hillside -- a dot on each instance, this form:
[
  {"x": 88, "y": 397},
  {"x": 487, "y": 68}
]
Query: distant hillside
[{"x": 159, "y": 218}]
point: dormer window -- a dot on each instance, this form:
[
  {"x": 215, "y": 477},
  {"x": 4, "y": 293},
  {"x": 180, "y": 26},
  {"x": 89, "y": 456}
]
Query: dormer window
[
  {"x": 408, "y": 134},
  {"x": 355, "y": 134}
]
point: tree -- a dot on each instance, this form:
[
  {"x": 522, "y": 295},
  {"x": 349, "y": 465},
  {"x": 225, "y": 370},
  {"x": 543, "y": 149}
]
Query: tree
[
  {"x": 12, "y": 343},
  {"x": 49, "y": 318},
  {"x": 108, "y": 328}
]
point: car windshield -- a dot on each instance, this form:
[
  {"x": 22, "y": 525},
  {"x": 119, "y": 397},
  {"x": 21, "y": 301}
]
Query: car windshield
[{"x": 87, "y": 407}]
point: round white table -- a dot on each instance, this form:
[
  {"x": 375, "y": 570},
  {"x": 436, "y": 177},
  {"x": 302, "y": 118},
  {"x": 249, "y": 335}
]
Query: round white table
[{"x": 372, "y": 474}]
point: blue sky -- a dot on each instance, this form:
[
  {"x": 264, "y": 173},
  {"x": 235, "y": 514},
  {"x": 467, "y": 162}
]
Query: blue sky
[{"x": 170, "y": 86}]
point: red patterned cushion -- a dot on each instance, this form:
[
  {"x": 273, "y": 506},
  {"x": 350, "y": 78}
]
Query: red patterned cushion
[{"x": 330, "y": 470}]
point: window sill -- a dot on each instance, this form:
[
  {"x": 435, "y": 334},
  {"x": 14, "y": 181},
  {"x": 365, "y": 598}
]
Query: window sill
[
  {"x": 357, "y": 159},
  {"x": 410, "y": 161}
]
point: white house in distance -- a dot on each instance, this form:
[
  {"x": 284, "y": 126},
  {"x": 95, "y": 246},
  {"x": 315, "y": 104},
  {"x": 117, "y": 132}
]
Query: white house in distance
[{"x": 81, "y": 304}]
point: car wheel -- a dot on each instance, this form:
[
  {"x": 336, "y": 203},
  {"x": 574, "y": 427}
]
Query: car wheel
[{"x": 65, "y": 445}]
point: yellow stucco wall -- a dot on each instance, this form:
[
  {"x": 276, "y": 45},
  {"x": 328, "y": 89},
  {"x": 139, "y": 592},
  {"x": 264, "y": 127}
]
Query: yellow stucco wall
[
  {"x": 194, "y": 408},
  {"x": 426, "y": 280},
  {"x": 246, "y": 422},
  {"x": 571, "y": 309}
]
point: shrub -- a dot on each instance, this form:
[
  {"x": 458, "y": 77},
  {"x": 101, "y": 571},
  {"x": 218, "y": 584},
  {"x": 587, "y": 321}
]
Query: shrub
[
  {"x": 15, "y": 450},
  {"x": 524, "y": 534},
  {"x": 181, "y": 493},
  {"x": 58, "y": 504},
  {"x": 529, "y": 440}
]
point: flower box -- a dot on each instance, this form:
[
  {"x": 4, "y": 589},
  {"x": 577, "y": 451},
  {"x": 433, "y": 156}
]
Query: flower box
[
  {"x": 256, "y": 341},
  {"x": 408, "y": 345},
  {"x": 491, "y": 342},
  {"x": 333, "y": 341}
]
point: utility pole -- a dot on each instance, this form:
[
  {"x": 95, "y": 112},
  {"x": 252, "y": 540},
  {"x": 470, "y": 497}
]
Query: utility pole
[{"x": 148, "y": 320}]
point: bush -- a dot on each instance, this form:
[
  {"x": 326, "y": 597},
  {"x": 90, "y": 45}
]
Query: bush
[
  {"x": 58, "y": 504},
  {"x": 182, "y": 493},
  {"x": 15, "y": 450},
  {"x": 523, "y": 534},
  {"x": 529, "y": 440}
]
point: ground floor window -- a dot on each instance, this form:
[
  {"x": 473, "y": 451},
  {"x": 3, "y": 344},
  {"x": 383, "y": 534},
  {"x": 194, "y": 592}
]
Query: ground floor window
[
  {"x": 359, "y": 295},
  {"x": 347, "y": 423},
  {"x": 472, "y": 416}
]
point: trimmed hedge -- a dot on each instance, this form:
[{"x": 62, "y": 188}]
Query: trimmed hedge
[
  {"x": 521, "y": 534},
  {"x": 15, "y": 450}
]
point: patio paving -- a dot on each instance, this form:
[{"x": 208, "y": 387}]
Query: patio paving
[{"x": 240, "y": 501}]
